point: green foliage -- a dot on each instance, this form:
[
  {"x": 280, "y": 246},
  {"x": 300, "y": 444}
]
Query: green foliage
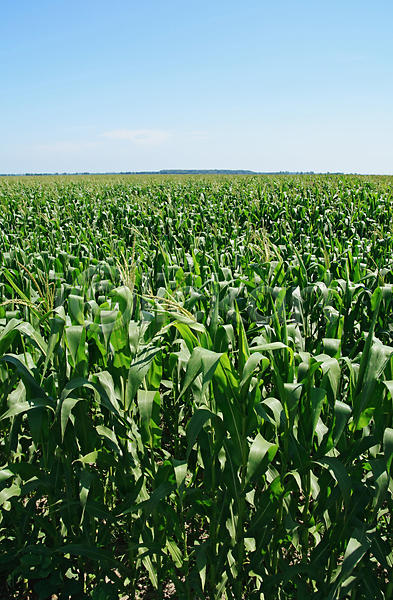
[{"x": 197, "y": 387}]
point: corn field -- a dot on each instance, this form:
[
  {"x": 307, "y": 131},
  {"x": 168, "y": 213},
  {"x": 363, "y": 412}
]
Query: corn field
[{"x": 196, "y": 393}]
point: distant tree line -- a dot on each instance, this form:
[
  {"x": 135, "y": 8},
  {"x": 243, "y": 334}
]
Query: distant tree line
[{"x": 173, "y": 172}]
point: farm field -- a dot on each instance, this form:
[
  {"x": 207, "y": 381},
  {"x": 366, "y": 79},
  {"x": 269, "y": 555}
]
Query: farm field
[{"x": 196, "y": 393}]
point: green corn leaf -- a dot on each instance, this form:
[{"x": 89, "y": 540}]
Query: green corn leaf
[
  {"x": 124, "y": 296},
  {"x": 203, "y": 362},
  {"x": 371, "y": 586},
  {"x": 360, "y": 541},
  {"x": 128, "y": 504},
  {"x": 34, "y": 336},
  {"x": 292, "y": 394},
  {"x": 7, "y": 335},
  {"x": 225, "y": 338},
  {"x": 331, "y": 346},
  {"x": 197, "y": 421},
  {"x": 270, "y": 346},
  {"x": 120, "y": 343},
  {"x": 317, "y": 397},
  {"x": 98, "y": 510},
  {"x": 56, "y": 331},
  {"x": 234, "y": 420},
  {"x": 75, "y": 309},
  {"x": 84, "y": 488},
  {"x": 187, "y": 335},
  {"x": 33, "y": 484},
  {"x": 162, "y": 491},
  {"x": 154, "y": 374},
  {"x": 146, "y": 401},
  {"x": 373, "y": 362},
  {"x": 226, "y": 376},
  {"x": 214, "y": 309},
  {"x": 358, "y": 448},
  {"x": 90, "y": 458},
  {"x": 201, "y": 562},
  {"x": 376, "y": 299},
  {"x": 259, "y": 451},
  {"x": 243, "y": 349},
  {"x": 66, "y": 409},
  {"x": 105, "y": 380},
  {"x": 138, "y": 370},
  {"x": 194, "y": 325},
  {"x": 109, "y": 321},
  {"x": 85, "y": 432},
  {"x": 265, "y": 513},
  {"x": 331, "y": 368},
  {"x": 389, "y": 385},
  {"x": 94, "y": 553},
  {"x": 175, "y": 553},
  {"x": 152, "y": 571},
  {"x": 382, "y": 550},
  {"x": 339, "y": 472},
  {"x": 290, "y": 575},
  {"x": 39, "y": 549},
  {"x": 19, "y": 292},
  {"x": 10, "y": 492},
  {"x": 22, "y": 407},
  {"x": 231, "y": 471},
  {"x": 149, "y": 408},
  {"x": 94, "y": 331},
  {"x": 249, "y": 368},
  {"x": 277, "y": 409},
  {"x": 381, "y": 481},
  {"x": 342, "y": 413},
  {"x": 33, "y": 389},
  {"x": 38, "y": 423},
  {"x": 76, "y": 341},
  {"x": 110, "y": 438},
  {"x": 388, "y": 447},
  {"x": 369, "y": 364},
  {"x": 6, "y": 474},
  {"x": 102, "y": 460},
  {"x": 180, "y": 468},
  {"x": 372, "y": 403},
  {"x": 83, "y": 383}
]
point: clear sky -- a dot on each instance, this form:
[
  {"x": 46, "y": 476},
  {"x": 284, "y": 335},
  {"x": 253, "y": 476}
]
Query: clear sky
[{"x": 104, "y": 86}]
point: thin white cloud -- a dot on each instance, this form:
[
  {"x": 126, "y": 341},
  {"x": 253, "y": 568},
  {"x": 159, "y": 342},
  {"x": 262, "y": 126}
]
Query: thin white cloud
[
  {"x": 199, "y": 135},
  {"x": 67, "y": 147},
  {"x": 140, "y": 137}
]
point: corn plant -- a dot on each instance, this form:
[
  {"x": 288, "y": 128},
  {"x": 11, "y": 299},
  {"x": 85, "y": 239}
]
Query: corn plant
[{"x": 196, "y": 387}]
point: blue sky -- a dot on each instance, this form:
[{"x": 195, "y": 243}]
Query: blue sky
[{"x": 130, "y": 86}]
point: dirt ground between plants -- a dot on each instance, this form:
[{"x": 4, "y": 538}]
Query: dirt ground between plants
[{"x": 143, "y": 593}]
